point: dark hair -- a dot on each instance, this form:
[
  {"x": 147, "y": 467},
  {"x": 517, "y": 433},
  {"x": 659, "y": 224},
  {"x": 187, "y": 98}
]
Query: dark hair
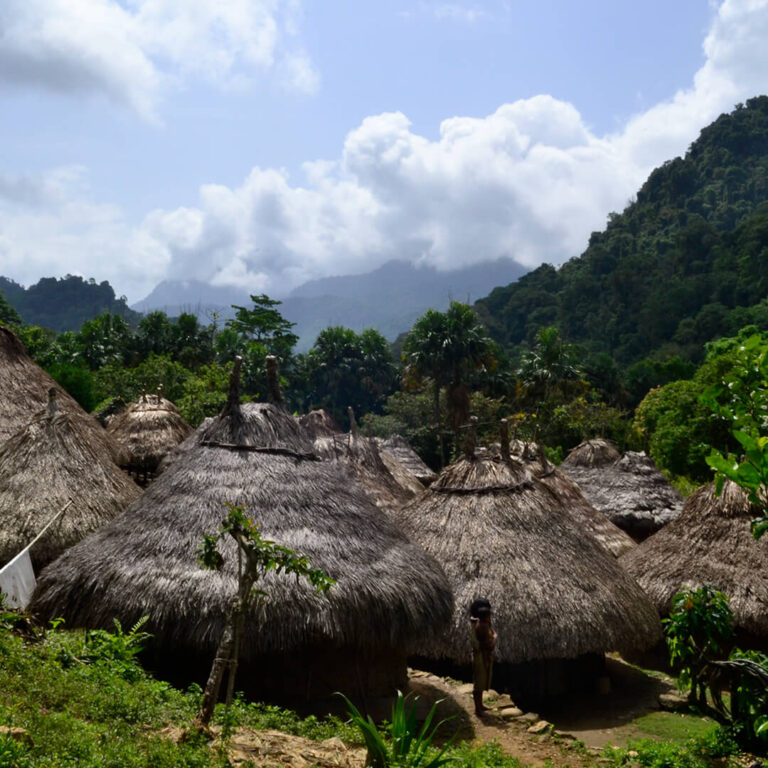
[{"x": 480, "y": 608}]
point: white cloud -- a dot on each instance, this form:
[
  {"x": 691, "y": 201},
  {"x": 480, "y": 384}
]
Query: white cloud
[
  {"x": 530, "y": 182},
  {"x": 132, "y": 52}
]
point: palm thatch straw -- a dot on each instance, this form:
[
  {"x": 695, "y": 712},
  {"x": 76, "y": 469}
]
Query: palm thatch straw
[
  {"x": 501, "y": 534},
  {"x": 361, "y": 455},
  {"x": 53, "y": 459},
  {"x": 399, "y": 448},
  {"x": 25, "y": 386},
  {"x": 297, "y": 644},
  {"x": 592, "y": 453},
  {"x": 146, "y": 431},
  {"x": 631, "y": 492},
  {"x": 616, "y": 541},
  {"x": 709, "y": 543},
  {"x": 319, "y": 423}
]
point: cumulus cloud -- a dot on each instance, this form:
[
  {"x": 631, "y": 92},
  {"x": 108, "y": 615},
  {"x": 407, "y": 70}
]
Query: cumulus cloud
[
  {"x": 132, "y": 52},
  {"x": 528, "y": 182}
]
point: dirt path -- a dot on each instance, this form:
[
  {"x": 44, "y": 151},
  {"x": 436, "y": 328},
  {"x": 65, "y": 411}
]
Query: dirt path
[{"x": 594, "y": 719}]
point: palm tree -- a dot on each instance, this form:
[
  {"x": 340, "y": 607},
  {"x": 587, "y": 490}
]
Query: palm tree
[{"x": 447, "y": 347}]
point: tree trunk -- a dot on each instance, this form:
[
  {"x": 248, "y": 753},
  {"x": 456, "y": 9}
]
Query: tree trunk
[
  {"x": 220, "y": 663},
  {"x": 438, "y": 426}
]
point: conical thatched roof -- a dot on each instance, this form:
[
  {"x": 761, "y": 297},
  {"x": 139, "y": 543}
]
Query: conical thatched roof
[
  {"x": 631, "y": 492},
  {"x": 146, "y": 431},
  {"x": 399, "y": 448},
  {"x": 592, "y": 453},
  {"x": 709, "y": 543},
  {"x": 501, "y": 534},
  {"x": 616, "y": 541},
  {"x": 24, "y": 388},
  {"x": 52, "y": 459},
  {"x": 361, "y": 455},
  {"x": 319, "y": 423},
  {"x": 388, "y": 592}
]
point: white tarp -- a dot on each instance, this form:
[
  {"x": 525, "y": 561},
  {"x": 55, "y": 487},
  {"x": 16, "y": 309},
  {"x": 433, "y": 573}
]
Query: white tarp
[{"x": 17, "y": 581}]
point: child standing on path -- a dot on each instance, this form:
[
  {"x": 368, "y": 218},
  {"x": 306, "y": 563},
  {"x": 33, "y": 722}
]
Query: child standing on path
[{"x": 483, "y": 637}]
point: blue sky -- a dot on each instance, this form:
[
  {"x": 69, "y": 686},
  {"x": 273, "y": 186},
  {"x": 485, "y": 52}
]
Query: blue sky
[{"x": 261, "y": 143}]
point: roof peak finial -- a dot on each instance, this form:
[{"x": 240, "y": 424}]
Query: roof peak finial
[
  {"x": 470, "y": 438},
  {"x": 53, "y": 407},
  {"x": 352, "y": 421},
  {"x": 273, "y": 379},
  {"x": 504, "y": 434}
]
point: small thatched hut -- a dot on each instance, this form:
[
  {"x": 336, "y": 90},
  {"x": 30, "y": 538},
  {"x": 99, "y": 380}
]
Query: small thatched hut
[
  {"x": 361, "y": 454},
  {"x": 24, "y": 388},
  {"x": 568, "y": 493},
  {"x": 145, "y": 432},
  {"x": 592, "y": 454},
  {"x": 556, "y": 593},
  {"x": 709, "y": 543},
  {"x": 51, "y": 460},
  {"x": 630, "y": 491},
  {"x": 299, "y": 646},
  {"x": 398, "y": 448},
  {"x": 319, "y": 423}
]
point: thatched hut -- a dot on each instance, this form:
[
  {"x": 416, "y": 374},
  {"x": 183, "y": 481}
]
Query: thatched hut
[
  {"x": 709, "y": 543},
  {"x": 145, "y": 432},
  {"x": 299, "y": 646},
  {"x": 557, "y": 594},
  {"x": 361, "y": 454},
  {"x": 592, "y": 454},
  {"x": 319, "y": 423},
  {"x": 25, "y": 386},
  {"x": 630, "y": 491},
  {"x": 51, "y": 460},
  {"x": 398, "y": 448},
  {"x": 568, "y": 493}
]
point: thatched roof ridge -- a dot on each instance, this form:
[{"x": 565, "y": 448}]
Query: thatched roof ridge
[
  {"x": 399, "y": 448},
  {"x": 319, "y": 423},
  {"x": 631, "y": 492},
  {"x": 146, "y": 431},
  {"x": 709, "y": 543},
  {"x": 616, "y": 541},
  {"x": 597, "y": 452},
  {"x": 388, "y": 592},
  {"x": 361, "y": 454},
  {"x": 52, "y": 459},
  {"x": 25, "y": 386},
  {"x": 501, "y": 534}
]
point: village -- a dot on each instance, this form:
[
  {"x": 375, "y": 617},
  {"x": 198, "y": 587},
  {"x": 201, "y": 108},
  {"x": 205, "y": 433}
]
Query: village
[{"x": 102, "y": 526}]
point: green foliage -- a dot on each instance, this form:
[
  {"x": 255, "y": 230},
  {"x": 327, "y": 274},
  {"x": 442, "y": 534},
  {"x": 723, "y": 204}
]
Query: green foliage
[
  {"x": 78, "y": 381},
  {"x": 403, "y": 744},
  {"x": 205, "y": 394},
  {"x": 263, "y": 554},
  {"x": 740, "y": 399},
  {"x": 64, "y": 304},
  {"x": 8, "y": 315},
  {"x": 698, "y": 629},
  {"x": 345, "y": 369},
  {"x": 683, "y": 263},
  {"x": 119, "y": 646}
]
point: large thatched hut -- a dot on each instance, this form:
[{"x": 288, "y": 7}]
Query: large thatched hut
[
  {"x": 568, "y": 493},
  {"x": 557, "y": 594},
  {"x": 24, "y": 388},
  {"x": 145, "y": 432},
  {"x": 51, "y": 460},
  {"x": 630, "y": 490},
  {"x": 709, "y": 543},
  {"x": 400, "y": 449},
  {"x": 299, "y": 646}
]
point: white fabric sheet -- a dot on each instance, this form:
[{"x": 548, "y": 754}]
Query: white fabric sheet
[{"x": 17, "y": 581}]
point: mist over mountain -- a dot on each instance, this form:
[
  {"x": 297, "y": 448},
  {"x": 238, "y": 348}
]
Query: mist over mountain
[{"x": 389, "y": 298}]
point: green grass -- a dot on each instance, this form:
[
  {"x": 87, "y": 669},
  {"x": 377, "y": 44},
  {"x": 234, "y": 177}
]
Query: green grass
[{"x": 672, "y": 726}]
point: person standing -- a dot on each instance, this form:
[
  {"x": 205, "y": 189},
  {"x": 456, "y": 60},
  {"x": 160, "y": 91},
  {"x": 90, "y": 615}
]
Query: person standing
[{"x": 483, "y": 637}]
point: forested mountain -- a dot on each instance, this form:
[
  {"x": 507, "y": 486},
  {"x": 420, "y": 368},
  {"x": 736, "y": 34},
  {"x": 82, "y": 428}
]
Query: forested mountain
[
  {"x": 64, "y": 304},
  {"x": 685, "y": 263}
]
